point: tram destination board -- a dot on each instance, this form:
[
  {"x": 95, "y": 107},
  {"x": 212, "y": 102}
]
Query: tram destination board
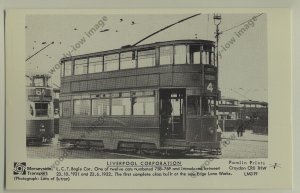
[{"x": 148, "y": 99}]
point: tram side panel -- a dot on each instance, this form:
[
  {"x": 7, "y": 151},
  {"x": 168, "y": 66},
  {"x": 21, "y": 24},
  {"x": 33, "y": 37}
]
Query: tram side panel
[
  {"x": 39, "y": 129},
  {"x": 110, "y": 131},
  {"x": 202, "y": 132}
]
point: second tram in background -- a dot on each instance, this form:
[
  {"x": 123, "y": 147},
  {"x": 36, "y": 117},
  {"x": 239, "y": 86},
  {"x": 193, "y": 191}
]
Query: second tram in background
[
  {"x": 159, "y": 96},
  {"x": 229, "y": 114},
  {"x": 39, "y": 119},
  {"x": 255, "y": 115}
]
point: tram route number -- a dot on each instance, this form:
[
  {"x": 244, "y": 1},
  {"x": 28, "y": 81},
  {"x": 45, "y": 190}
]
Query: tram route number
[
  {"x": 39, "y": 91},
  {"x": 210, "y": 87}
]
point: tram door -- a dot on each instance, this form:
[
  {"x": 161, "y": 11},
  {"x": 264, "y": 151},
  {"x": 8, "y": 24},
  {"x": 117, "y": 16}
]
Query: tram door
[{"x": 172, "y": 113}]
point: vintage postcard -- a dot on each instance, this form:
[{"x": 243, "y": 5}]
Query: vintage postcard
[{"x": 148, "y": 99}]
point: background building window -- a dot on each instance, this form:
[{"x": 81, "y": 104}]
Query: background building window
[
  {"x": 143, "y": 106},
  {"x": 180, "y": 54},
  {"x": 81, "y": 67},
  {"x": 95, "y": 64},
  {"x": 111, "y": 62},
  {"x": 166, "y": 55},
  {"x": 100, "y": 107},
  {"x": 82, "y": 107},
  {"x": 121, "y": 106},
  {"x": 127, "y": 60},
  {"x": 146, "y": 58}
]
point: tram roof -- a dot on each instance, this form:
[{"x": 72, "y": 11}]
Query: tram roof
[
  {"x": 38, "y": 75},
  {"x": 228, "y": 99},
  {"x": 129, "y": 47},
  {"x": 253, "y": 102}
]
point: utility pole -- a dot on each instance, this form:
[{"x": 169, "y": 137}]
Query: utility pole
[{"x": 217, "y": 22}]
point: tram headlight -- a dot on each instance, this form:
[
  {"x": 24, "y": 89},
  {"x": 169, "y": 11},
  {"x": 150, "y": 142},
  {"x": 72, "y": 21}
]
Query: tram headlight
[{"x": 42, "y": 129}]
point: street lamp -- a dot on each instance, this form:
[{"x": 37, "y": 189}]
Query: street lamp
[{"x": 217, "y": 22}]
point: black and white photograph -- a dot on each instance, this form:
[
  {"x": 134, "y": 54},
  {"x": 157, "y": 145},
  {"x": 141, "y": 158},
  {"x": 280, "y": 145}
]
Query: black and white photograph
[{"x": 147, "y": 86}]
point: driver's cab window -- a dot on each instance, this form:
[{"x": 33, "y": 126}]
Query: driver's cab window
[
  {"x": 39, "y": 82},
  {"x": 203, "y": 106}
]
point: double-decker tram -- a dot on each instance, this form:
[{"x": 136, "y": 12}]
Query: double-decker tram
[
  {"x": 255, "y": 115},
  {"x": 39, "y": 119},
  {"x": 159, "y": 96},
  {"x": 229, "y": 114}
]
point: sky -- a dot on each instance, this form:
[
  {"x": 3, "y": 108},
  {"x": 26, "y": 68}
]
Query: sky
[{"x": 243, "y": 65}]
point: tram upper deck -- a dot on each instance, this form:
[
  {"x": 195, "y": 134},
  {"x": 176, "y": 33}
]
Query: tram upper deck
[{"x": 179, "y": 63}]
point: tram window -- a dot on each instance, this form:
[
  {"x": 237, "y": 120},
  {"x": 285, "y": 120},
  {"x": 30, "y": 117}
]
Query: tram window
[
  {"x": 121, "y": 106},
  {"x": 82, "y": 107},
  {"x": 212, "y": 58},
  {"x": 68, "y": 68},
  {"x": 64, "y": 108},
  {"x": 38, "y": 81},
  {"x": 143, "y": 106},
  {"x": 166, "y": 55},
  {"x": 127, "y": 60},
  {"x": 41, "y": 109},
  {"x": 193, "y": 105},
  {"x": 95, "y": 64},
  {"x": 100, "y": 107},
  {"x": 111, "y": 62},
  {"x": 208, "y": 106},
  {"x": 180, "y": 54},
  {"x": 31, "y": 111},
  {"x": 195, "y": 54},
  {"x": 62, "y": 68},
  {"x": 205, "y": 57},
  {"x": 60, "y": 109},
  {"x": 146, "y": 58},
  {"x": 81, "y": 66}
]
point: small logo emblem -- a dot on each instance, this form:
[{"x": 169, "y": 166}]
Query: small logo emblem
[{"x": 19, "y": 168}]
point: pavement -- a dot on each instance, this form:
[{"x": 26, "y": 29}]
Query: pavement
[
  {"x": 247, "y": 136},
  {"x": 250, "y": 145}
]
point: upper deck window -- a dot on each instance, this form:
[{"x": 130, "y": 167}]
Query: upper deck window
[
  {"x": 207, "y": 55},
  {"x": 166, "y": 55},
  {"x": 68, "y": 68},
  {"x": 195, "y": 52},
  {"x": 180, "y": 54},
  {"x": 39, "y": 82},
  {"x": 81, "y": 66},
  {"x": 111, "y": 62},
  {"x": 128, "y": 60},
  {"x": 62, "y": 69},
  {"x": 95, "y": 64},
  {"x": 146, "y": 58}
]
